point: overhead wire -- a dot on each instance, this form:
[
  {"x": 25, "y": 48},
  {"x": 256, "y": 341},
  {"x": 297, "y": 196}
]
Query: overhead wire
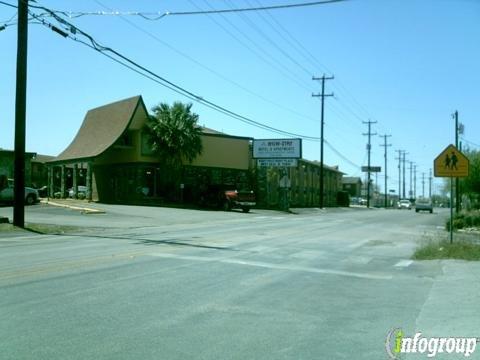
[
  {"x": 260, "y": 8},
  {"x": 163, "y": 81},
  {"x": 470, "y": 142},
  {"x": 259, "y": 50},
  {"x": 130, "y": 64},
  {"x": 153, "y": 16},
  {"x": 209, "y": 69}
]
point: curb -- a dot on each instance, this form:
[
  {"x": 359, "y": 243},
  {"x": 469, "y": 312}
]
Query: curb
[{"x": 83, "y": 210}]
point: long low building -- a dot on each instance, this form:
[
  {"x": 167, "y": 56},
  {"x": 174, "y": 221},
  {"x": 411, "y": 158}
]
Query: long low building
[
  {"x": 111, "y": 158},
  {"x": 304, "y": 185}
]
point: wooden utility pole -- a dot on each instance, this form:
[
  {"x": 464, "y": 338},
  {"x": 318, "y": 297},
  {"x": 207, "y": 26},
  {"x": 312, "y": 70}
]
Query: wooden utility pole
[
  {"x": 322, "y": 96},
  {"x": 20, "y": 116},
  {"x": 399, "y": 173},
  {"x": 385, "y": 145},
  {"x": 369, "y": 149}
]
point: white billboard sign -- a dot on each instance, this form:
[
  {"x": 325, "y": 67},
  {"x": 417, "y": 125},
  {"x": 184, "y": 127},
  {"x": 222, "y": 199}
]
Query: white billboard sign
[
  {"x": 277, "y": 148},
  {"x": 277, "y": 162}
]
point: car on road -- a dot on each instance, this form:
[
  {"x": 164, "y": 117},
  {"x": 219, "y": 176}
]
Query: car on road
[
  {"x": 404, "y": 204},
  {"x": 423, "y": 204},
  {"x": 6, "y": 193}
]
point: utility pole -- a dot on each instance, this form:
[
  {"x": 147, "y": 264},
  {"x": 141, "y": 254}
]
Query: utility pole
[
  {"x": 403, "y": 160},
  {"x": 458, "y": 130},
  {"x": 457, "y": 197},
  {"x": 410, "y": 192},
  {"x": 20, "y": 116},
  {"x": 385, "y": 145},
  {"x": 369, "y": 149},
  {"x": 399, "y": 173},
  {"x": 415, "y": 181},
  {"x": 430, "y": 184},
  {"x": 322, "y": 96},
  {"x": 423, "y": 184}
]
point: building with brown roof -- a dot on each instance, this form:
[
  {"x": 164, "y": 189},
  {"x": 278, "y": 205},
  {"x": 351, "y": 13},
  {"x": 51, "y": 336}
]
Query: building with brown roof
[{"x": 111, "y": 157}]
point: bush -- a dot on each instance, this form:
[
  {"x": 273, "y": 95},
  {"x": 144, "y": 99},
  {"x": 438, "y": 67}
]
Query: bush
[
  {"x": 472, "y": 218},
  {"x": 464, "y": 219},
  {"x": 459, "y": 223},
  {"x": 57, "y": 195},
  {"x": 81, "y": 196}
]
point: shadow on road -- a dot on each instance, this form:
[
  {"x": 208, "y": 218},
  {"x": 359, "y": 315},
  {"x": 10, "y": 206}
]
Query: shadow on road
[{"x": 149, "y": 242}]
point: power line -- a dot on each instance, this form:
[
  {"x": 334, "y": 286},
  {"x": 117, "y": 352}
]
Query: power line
[
  {"x": 9, "y": 5},
  {"x": 159, "y": 79},
  {"x": 130, "y": 64},
  {"x": 209, "y": 12},
  {"x": 470, "y": 142},
  {"x": 153, "y": 16},
  {"x": 216, "y": 73},
  {"x": 259, "y": 50},
  {"x": 271, "y": 42}
]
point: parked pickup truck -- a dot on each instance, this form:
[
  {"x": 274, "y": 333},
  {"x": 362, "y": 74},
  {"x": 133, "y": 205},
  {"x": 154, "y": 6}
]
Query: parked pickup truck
[
  {"x": 6, "y": 193},
  {"x": 219, "y": 197}
]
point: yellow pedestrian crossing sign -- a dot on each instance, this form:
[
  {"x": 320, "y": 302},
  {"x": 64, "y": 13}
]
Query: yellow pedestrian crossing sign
[{"x": 451, "y": 163}]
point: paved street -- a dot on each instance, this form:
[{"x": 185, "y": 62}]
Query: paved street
[{"x": 156, "y": 283}]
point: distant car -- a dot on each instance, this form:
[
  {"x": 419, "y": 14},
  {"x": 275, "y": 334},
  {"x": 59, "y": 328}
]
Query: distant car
[
  {"x": 423, "y": 204},
  {"x": 80, "y": 190},
  {"x": 6, "y": 194},
  {"x": 404, "y": 204}
]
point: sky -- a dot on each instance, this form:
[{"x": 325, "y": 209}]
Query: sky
[{"x": 405, "y": 65}]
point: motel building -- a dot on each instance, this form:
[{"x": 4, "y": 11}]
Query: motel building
[{"x": 110, "y": 161}]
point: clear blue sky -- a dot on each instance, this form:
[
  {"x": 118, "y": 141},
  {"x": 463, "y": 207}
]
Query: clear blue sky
[{"x": 407, "y": 64}]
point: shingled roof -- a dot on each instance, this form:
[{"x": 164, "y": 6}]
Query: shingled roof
[{"x": 100, "y": 129}]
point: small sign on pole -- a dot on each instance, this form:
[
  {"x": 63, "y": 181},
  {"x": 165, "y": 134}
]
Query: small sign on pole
[
  {"x": 371, "y": 168},
  {"x": 453, "y": 164},
  {"x": 282, "y": 163},
  {"x": 277, "y": 148}
]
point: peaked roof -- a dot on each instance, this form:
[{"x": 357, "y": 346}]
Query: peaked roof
[
  {"x": 101, "y": 128},
  {"x": 351, "y": 180},
  {"x": 39, "y": 158}
]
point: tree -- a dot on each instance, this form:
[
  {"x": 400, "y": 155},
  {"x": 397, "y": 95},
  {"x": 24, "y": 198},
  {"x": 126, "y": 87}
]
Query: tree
[
  {"x": 470, "y": 185},
  {"x": 174, "y": 135}
]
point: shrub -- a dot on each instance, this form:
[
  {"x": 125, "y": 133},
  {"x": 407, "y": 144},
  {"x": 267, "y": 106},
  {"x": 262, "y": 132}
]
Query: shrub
[
  {"x": 81, "y": 196},
  {"x": 57, "y": 195},
  {"x": 464, "y": 219}
]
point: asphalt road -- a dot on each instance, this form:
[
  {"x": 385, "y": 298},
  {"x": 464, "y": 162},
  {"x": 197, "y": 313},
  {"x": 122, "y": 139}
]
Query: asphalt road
[{"x": 157, "y": 283}]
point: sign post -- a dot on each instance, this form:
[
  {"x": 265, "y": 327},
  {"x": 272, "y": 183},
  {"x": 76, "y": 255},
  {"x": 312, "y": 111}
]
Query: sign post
[
  {"x": 279, "y": 153},
  {"x": 453, "y": 164}
]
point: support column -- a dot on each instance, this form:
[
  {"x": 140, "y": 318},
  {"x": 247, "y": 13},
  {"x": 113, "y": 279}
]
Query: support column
[
  {"x": 75, "y": 172},
  {"x": 89, "y": 181},
  {"x": 62, "y": 182},
  {"x": 50, "y": 181}
]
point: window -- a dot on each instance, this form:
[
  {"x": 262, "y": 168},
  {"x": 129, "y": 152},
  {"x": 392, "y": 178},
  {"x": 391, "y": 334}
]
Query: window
[
  {"x": 146, "y": 145},
  {"x": 125, "y": 140}
]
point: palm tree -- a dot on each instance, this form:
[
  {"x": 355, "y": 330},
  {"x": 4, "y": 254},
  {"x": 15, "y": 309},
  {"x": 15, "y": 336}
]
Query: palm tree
[{"x": 174, "y": 135}]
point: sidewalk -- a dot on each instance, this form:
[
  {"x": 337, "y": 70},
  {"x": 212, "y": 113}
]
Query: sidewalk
[
  {"x": 84, "y": 206},
  {"x": 451, "y": 309}
]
